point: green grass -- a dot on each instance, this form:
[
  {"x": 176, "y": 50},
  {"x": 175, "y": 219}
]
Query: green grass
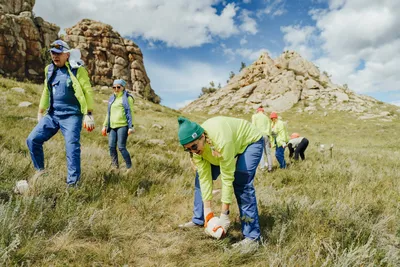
[{"x": 339, "y": 211}]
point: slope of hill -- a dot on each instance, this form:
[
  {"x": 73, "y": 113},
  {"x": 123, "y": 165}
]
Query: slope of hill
[
  {"x": 280, "y": 84},
  {"x": 339, "y": 211}
]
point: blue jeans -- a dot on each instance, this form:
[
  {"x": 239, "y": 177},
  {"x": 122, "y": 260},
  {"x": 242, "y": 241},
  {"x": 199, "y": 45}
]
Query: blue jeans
[
  {"x": 48, "y": 126},
  {"x": 280, "y": 156},
  {"x": 246, "y": 166},
  {"x": 118, "y": 136}
]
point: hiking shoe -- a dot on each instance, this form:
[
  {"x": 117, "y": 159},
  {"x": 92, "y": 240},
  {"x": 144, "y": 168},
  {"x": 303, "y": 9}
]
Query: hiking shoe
[
  {"x": 189, "y": 225},
  {"x": 247, "y": 245}
]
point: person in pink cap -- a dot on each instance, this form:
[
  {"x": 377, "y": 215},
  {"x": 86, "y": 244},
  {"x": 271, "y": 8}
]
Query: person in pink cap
[{"x": 297, "y": 145}]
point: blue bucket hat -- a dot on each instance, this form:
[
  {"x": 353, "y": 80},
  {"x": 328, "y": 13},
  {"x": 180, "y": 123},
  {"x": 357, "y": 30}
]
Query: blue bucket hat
[
  {"x": 59, "y": 46},
  {"x": 120, "y": 82}
]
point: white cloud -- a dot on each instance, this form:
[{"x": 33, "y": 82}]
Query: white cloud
[
  {"x": 299, "y": 39},
  {"x": 178, "y": 23},
  {"x": 248, "y": 24},
  {"x": 350, "y": 32},
  {"x": 273, "y": 8},
  {"x": 243, "y": 53},
  {"x": 243, "y": 41},
  {"x": 187, "y": 77},
  {"x": 250, "y": 53},
  {"x": 182, "y": 82}
]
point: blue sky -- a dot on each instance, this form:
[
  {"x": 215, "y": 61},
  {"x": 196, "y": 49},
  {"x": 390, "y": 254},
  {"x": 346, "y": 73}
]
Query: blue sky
[{"x": 188, "y": 43}]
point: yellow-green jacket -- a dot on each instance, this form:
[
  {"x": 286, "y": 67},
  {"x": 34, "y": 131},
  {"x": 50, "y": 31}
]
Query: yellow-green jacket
[
  {"x": 230, "y": 137},
  {"x": 118, "y": 117},
  {"x": 262, "y": 123},
  {"x": 278, "y": 133},
  {"x": 80, "y": 83}
]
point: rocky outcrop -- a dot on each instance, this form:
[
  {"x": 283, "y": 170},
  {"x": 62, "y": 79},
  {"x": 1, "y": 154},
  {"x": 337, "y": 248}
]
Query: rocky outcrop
[
  {"x": 24, "y": 40},
  {"x": 108, "y": 56},
  {"x": 278, "y": 85}
]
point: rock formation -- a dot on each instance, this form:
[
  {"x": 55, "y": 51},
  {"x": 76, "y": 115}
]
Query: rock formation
[
  {"x": 278, "y": 85},
  {"x": 109, "y": 56},
  {"x": 24, "y": 40}
]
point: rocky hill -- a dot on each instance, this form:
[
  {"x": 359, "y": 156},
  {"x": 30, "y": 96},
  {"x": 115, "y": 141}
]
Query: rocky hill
[
  {"x": 108, "y": 56},
  {"x": 24, "y": 40},
  {"x": 281, "y": 84}
]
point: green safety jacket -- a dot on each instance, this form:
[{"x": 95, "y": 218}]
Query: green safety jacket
[
  {"x": 80, "y": 83},
  {"x": 262, "y": 122},
  {"x": 230, "y": 137},
  {"x": 279, "y": 134}
]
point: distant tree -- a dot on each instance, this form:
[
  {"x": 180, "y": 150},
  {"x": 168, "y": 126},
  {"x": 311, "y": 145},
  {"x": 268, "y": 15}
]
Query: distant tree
[
  {"x": 242, "y": 66},
  {"x": 208, "y": 90},
  {"x": 219, "y": 85},
  {"x": 231, "y": 75},
  {"x": 326, "y": 74}
]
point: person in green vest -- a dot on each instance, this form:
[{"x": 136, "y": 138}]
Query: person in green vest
[
  {"x": 263, "y": 123},
  {"x": 118, "y": 123},
  {"x": 230, "y": 148},
  {"x": 279, "y": 138},
  {"x": 66, "y": 102}
]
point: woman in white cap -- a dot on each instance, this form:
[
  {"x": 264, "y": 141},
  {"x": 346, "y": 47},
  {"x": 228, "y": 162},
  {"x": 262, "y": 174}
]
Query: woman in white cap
[{"x": 119, "y": 123}]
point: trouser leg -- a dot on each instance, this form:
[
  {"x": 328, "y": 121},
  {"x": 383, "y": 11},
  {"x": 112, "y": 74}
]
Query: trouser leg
[
  {"x": 71, "y": 126},
  {"x": 43, "y": 131},
  {"x": 280, "y": 156},
  {"x": 122, "y": 137},
  {"x": 244, "y": 189},
  {"x": 112, "y": 144},
  {"x": 198, "y": 207},
  {"x": 268, "y": 152},
  {"x": 302, "y": 148}
]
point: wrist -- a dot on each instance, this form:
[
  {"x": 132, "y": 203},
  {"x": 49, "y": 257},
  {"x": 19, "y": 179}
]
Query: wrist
[{"x": 225, "y": 212}]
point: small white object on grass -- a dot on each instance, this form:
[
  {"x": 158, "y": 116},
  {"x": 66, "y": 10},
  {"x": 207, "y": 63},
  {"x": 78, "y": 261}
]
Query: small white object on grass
[
  {"x": 322, "y": 148},
  {"x": 21, "y": 187}
]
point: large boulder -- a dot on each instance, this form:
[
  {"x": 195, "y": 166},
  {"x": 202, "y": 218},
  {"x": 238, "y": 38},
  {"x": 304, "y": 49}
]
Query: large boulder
[
  {"x": 108, "y": 56},
  {"x": 24, "y": 40}
]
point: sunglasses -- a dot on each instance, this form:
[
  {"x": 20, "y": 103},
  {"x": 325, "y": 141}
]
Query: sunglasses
[
  {"x": 57, "y": 46},
  {"x": 191, "y": 148},
  {"x": 117, "y": 87}
]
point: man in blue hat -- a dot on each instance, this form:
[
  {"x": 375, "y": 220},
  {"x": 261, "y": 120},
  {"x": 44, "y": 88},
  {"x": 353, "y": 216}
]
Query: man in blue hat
[{"x": 66, "y": 101}]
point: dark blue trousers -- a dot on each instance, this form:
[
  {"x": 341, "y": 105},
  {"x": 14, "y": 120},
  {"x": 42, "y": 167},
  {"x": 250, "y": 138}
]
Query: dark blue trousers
[{"x": 246, "y": 167}]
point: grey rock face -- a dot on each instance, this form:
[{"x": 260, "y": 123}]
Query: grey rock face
[
  {"x": 279, "y": 84},
  {"x": 24, "y": 40}
]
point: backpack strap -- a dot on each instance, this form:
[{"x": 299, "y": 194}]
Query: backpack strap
[
  {"x": 50, "y": 71},
  {"x": 75, "y": 71}
]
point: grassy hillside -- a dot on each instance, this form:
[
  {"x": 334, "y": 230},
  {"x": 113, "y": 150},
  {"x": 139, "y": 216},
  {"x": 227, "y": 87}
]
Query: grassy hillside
[{"x": 339, "y": 211}]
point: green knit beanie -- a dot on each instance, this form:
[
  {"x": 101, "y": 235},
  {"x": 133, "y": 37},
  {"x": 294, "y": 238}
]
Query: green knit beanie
[{"x": 188, "y": 131}]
